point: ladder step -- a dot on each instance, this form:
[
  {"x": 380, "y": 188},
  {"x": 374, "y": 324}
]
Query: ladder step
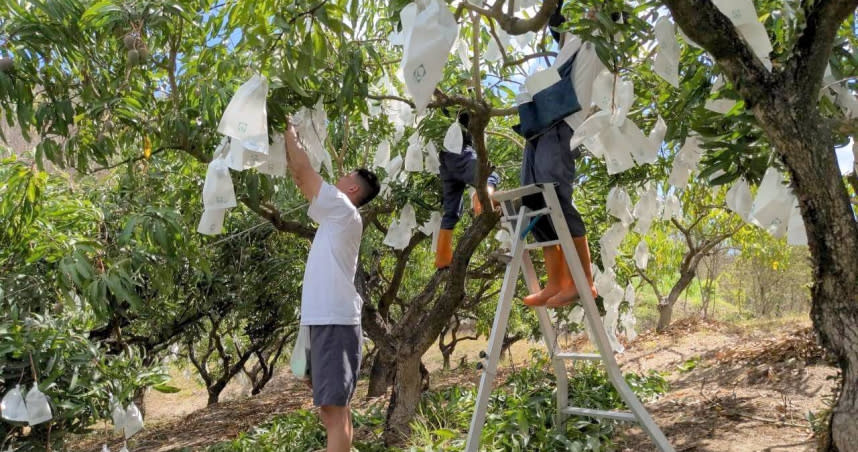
[
  {"x": 532, "y": 246},
  {"x": 516, "y": 193},
  {"x": 617, "y": 415},
  {"x": 531, "y": 214},
  {"x": 582, "y": 356}
]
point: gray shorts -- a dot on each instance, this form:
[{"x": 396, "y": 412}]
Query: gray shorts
[
  {"x": 549, "y": 159},
  {"x": 335, "y": 352}
]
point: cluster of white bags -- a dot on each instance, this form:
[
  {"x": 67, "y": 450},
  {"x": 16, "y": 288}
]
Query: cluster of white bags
[
  {"x": 428, "y": 33},
  {"x": 245, "y": 145},
  {"x": 32, "y": 409},
  {"x": 609, "y": 135},
  {"x": 128, "y": 421},
  {"x": 627, "y": 319},
  {"x": 774, "y": 209},
  {"x": 401, "y": 229}
]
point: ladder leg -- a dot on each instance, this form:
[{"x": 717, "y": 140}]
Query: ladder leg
[
  {"x": 550, "y": 337},
  {"x": 594, "y": 319},
  {"x": 496, "y": 338}
]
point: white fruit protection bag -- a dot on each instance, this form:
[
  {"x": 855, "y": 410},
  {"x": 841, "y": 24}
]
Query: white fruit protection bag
[
  {"x": 245, "y": 118},
  {"x": 430, "y": 31},
  {"x": 298, "y": 362}
]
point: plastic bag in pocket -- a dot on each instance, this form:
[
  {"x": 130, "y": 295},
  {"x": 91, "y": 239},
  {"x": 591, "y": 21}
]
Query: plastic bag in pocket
[
  {"x": 133, "y": 420},
  {"x": 12, "y": 407},
  {"x": 218, "y": 192},
  {"x": 300, "y": 353},
  {"x": 38, "y": 408},
  {"x": 245, "y": 117}
]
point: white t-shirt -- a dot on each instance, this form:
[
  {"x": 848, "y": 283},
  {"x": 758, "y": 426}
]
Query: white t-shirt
[{"x": 329, "y": 296}]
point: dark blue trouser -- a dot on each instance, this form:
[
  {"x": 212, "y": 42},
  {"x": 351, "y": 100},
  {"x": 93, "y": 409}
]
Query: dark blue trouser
[
  {"x": 549, "y": 159},
  {"x": 457, "y": 172}
]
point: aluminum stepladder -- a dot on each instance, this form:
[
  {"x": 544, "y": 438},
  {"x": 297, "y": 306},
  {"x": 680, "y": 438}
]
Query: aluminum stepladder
[{"x": 522, "y": 219}]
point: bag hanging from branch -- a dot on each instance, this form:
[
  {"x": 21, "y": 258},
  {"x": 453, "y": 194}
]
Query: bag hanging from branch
[
  {"x": 245, "y": 118},
  {"x": 432, "y": 165},
  {"x": 428, "y": 41},
  {"x": 133, "y": 420},
  {"x": 773, "y": 204},
  {"x": 211, "y": 221},
  {"x": 667, "y": 60},
  {"x": 38, "y": 408},
  {"x": 642, "y": 255},
  {"x": 739, "y": 199},
  {"x": 672, "y": 207},
  {"x": 619, "y": 204},
  {"x": 414, "y": 154},
  {"x": 796, "y": 231},
  {"x": 118, "y": 416},
  {"x": 218, "y": 192},
  {"x": 382, "y": 155},
  {"x": 275, "y": 164},
  {"x": 12, "y": 407}
]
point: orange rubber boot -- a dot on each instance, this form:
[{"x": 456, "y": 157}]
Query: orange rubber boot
[
  {"x": 554, "y": 264},
  {"x": 477, "y": 205},
  {"x": 569, "y": 293},
  {"x": 444, "y": 252}
]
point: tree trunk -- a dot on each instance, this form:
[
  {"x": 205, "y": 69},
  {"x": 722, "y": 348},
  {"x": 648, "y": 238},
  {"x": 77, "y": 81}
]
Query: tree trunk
[
  {"x": 665, "y": 315},
  {"x": 686, "y": 276},
  {"x": 381, "y": 373},
  {"x": 407, "y": 387},
  {"x": 804, "y": 141}
]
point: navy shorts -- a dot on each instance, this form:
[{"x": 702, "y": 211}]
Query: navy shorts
[
  {"x": 549, "y": 159},
  {"x": 458, "y": 171},
  {"x": 335, "y": 352}
]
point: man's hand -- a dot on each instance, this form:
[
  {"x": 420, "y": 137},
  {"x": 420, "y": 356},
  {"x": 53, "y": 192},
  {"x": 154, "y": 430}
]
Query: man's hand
[{"x": 305, "y": 177}]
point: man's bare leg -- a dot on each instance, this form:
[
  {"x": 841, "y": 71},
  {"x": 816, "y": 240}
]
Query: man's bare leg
[{"x": 338, "y": 425}]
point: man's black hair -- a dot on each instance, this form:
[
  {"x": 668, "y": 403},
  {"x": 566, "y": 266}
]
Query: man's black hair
[{"x": 369, "y": 185}]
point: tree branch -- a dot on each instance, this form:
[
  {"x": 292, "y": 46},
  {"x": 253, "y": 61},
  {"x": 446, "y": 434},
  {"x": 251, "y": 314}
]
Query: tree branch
[
  {"x": 809, "y": 57},
  {"x": 271, "y": 214},
  {"x": 514, "y": 25},
  {"x": 527, "y": 58},
  {"x": 705, "y": 24}
]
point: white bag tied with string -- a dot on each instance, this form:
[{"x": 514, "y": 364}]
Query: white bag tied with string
[
  {"x": 619, "y": 205},
  {"x": 311, "y": 126},
  {"x": 275, "y": 163},
  {"x": 218, "y": 192},
  {"x": 739, "y": 199},
  {"x": 453, "y": 140},
  {"x": 645, "y": 210},
  {"x": 772, "y": 206},
  {"x": 427, "y": 46},
  {"x": 667, "y": 60},
  {"x": 117, "y": 413},
  {"x": 796, "y": 231},
  {"x": 432, "y": 165},
  {"x": 610, "y": 242},
  {"x": 133, "y": 420},
  {"x": 492, "y": 53},
  {"x": 744, "y": 18},
  {"x": 38, "y": 408},
  {"x": 612, "y": 300},
  {"x": 642, "y": 255},
  {"x": 722, "y": 106},
  {"x": 431, "y": 227},
  {"x": 397, "y": 236},
  {"x": 685, "y": 162},
  {"x": 245, "y": 118},
  {"x": 382, "y": 155},
  {"x": 672, "y": 207},
  {"x": 414, "y": 154},
  {"x": 12, "y": 407},
  {"x": 464, "y": 56}
]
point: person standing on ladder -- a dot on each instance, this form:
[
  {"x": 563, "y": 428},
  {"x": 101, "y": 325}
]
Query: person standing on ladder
[
  {"x": 548, "y": 117},
  {"x": 330, "y": 304},
  {"x": 457, "y": 171}
]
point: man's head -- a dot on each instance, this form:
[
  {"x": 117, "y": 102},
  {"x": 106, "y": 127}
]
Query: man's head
[{"x": 361, "y": 186}]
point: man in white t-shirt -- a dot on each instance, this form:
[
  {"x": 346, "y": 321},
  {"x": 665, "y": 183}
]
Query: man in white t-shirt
[{"x": 330, "y": 304}]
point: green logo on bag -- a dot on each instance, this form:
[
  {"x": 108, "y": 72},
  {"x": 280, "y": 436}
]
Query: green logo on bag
[
  {"x": 242, "y": 127},
  {"x": 419, "y": 73}
]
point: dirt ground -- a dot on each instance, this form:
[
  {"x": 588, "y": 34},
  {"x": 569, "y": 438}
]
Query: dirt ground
[{"x": 730, "y": 390}]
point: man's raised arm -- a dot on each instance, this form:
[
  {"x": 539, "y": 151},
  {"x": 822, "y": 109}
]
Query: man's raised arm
[{"x": 305, "y": 177}]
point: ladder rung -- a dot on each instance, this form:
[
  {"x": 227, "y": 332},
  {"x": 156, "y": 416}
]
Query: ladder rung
[
  {"x": 588, "y": 356},
  {"x": 532, "y": 246},
  {"x": 531, "y": 214},
  {"x": 516, "y": 193},
  {"x": 618, "y": 415}
]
